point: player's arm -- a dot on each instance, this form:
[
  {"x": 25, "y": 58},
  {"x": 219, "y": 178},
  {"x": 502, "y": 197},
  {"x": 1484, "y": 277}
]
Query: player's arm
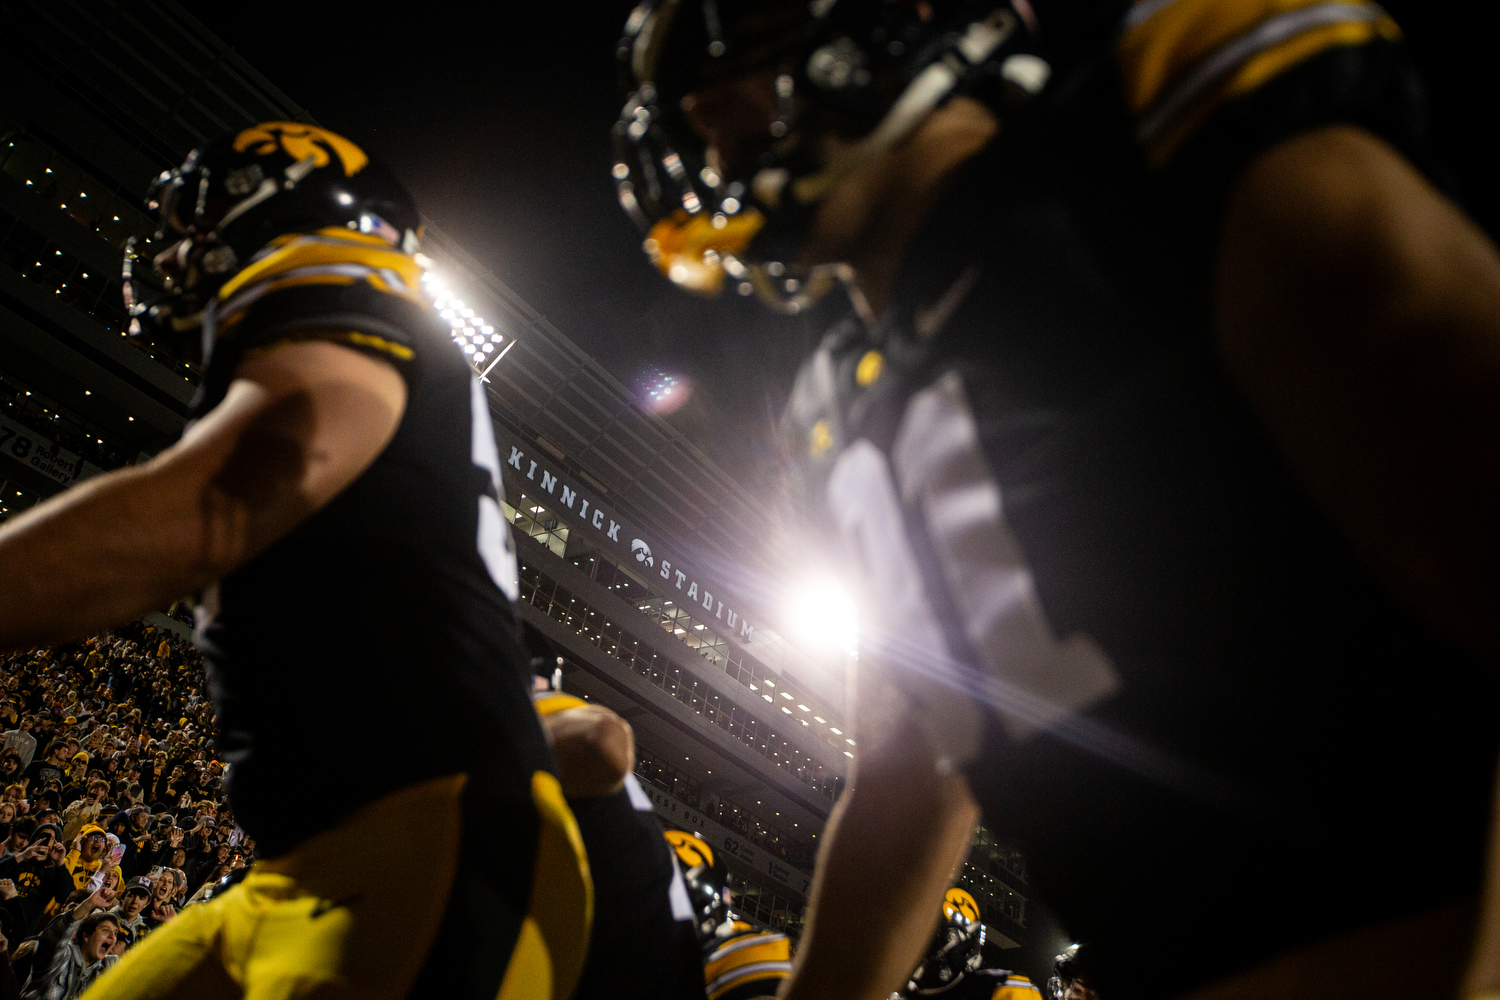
[
  {"x": 595, "y": 749},
  {"x": 901, "y": 828},
  {"x": 297, "y": 425},
  {"x": 1359, "y": 310}
]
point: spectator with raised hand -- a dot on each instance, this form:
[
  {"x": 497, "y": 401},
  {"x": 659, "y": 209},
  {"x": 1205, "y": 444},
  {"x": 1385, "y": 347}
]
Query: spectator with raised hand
[
  {"x": 85, "y": 811},
  {"x": 91, "y": 855},
  {"x": 21, "y": 829},
  {"x": 74, "y": 950},
  {"x": 36, "y": 875},
  {"x": 163, "y": 889}
]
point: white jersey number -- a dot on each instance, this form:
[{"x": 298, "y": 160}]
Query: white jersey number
[{"x": 495, "y": 545}]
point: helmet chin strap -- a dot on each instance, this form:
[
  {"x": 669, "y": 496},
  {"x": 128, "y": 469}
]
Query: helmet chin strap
[{"x": 922, "y": 96}]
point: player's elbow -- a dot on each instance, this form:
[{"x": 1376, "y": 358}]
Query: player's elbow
[{"x": 595, "y": 749}]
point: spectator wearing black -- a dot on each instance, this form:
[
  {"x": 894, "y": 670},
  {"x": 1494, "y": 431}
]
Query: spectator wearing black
[
  {"x": 38, "y": 875},
  {"x": 10, "y": 989},
  {"x": 203, "y": 870},
  {"x": 20, "y": 832},
  {"x": 52, "y": 767}
]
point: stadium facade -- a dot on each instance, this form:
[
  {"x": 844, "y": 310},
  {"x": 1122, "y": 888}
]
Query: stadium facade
[{"x": 642, "y": 561}]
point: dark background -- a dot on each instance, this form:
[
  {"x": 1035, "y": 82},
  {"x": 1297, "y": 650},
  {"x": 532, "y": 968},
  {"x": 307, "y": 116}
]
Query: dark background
[{"x": 497, "y": 115}]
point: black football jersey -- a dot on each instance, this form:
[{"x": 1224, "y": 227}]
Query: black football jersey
[
  {"x": 982, "y": 984},
  {"x": 1161, "y": 666},
  {"x": 374, "y": 645},
  {"x": 642, "y": 945}
]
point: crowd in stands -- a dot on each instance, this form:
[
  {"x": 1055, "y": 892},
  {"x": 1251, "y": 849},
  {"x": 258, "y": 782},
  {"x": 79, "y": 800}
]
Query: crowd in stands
[{"x": 111, "y": 816}]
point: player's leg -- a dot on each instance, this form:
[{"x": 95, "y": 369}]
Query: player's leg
[
  {"x": 516, "y": 922},
  {"x": 434, "y": 890}
]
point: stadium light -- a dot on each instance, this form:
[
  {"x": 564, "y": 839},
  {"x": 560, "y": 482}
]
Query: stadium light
[
  {"x": 822, "y": 616},
  {"x": 476, "y": 336}
]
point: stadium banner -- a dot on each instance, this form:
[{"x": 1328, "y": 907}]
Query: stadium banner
[
  {"x": 721, "y": 838},
  {"x": 28, "y": 447},
  {"x": 535, "y": 472}
]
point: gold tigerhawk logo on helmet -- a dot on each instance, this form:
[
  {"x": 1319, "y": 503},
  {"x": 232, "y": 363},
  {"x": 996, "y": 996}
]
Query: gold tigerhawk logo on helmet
[
  {"x": 690, "y": 850},
  {"x": 300, "y": 141},
  {"x": 957, "y": 901}
]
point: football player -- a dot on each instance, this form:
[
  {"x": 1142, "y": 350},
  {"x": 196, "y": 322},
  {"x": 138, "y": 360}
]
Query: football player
[
  {"x": 1073, "y": 977},
  {"x": 740, "y": 962},
  {"x": 642, "y": 943},
  {"x": 335, "y": 502},
  {"x": 1164, "y": 421},
  {"x": 953, "y": 965}
]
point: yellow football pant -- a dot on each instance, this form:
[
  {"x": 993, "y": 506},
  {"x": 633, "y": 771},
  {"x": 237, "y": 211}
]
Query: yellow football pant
[{"x": 353, "y": 911}]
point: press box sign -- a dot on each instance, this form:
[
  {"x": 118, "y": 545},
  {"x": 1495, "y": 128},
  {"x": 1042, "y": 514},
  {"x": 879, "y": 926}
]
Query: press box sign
[
  {"x": 30, "y": 448},
  {"x": 534, "y": 474}
]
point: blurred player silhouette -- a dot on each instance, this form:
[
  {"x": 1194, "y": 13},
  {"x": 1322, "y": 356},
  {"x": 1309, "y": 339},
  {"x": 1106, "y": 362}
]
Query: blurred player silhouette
[
  {"x": 740, "y": 961},
  {"x": 642, "y": 944},
  {"x": 335, "y": 504},
  {"x": 954, "y": 964},
  {"x": 1162, "y": 418}
]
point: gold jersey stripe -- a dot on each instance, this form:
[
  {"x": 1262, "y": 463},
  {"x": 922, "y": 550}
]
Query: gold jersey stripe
[
  {"x": 753, "y": 974},
  {"x": 1181, "y": 59},
  {"x": 398, "y": 351},
  {"x": 1262, "y": 68},
  {"x": 551, "y": 704},
  {"x": 745, "y": 941},
  {"x": 303, "y": 250},
  {"x": 232, "y": 310},
  {"x": 555, "y": 934},
  {"x": 721, "y": 966}
]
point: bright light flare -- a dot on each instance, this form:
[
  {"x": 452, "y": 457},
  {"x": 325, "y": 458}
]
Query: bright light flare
[
  {"x": 475, "y": 336},
  {"x": 822, "y": 616},
  {"x": 666, "y": 394}
]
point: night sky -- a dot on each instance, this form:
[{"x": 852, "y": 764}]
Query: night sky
[
  {"x": 497, "y": 116},
  {"x": 500, "y": 128}
]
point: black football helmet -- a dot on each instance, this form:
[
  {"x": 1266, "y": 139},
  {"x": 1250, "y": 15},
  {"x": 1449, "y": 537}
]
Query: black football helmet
[
  {"x": 707, "y": 882},
  {"x": 957, "y": 946},
  {"x": 1074, "y": 965},
  {"x": 869, "y": 73},
  {"x": 231, "y": 197}
]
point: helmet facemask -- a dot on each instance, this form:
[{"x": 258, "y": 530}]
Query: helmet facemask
[
  {"x": 819, "y": 94},
  {"x": 957, "y": 946},
  {"x": 229, "y": 199}
]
